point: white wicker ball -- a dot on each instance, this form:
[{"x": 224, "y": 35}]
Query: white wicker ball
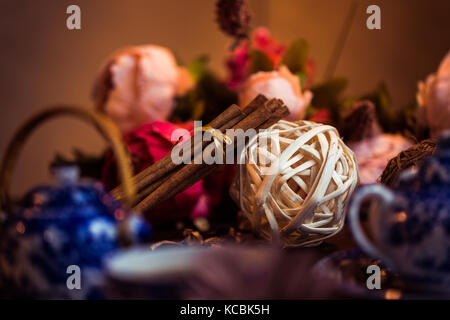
[{"x": 294, "y": 181}]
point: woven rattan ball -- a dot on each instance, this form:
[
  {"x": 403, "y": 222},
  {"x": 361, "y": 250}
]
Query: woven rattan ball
[{"x": 293, "y": 182}]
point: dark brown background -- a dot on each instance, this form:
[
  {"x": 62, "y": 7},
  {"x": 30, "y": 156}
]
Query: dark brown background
[{"x": 43, "y": 63}]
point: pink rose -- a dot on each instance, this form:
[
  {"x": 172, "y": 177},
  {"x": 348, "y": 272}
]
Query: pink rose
[
  {"x": 281, "y": 84},
  {"x": 184, "y": 81},
  {"x": 373, "y": 154},
  {"x": 434, "y": 97},
  {"x": 137, "y": 85}
]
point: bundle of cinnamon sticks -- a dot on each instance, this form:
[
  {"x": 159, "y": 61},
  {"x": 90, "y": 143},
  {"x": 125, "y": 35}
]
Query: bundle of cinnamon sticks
[{"x": 164, "y": 179}]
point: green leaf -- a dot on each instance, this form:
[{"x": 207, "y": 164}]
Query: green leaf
[
  {"x": 198, "y": 110},
  {"x": 215, "y": 95},
  {"x": 208, "y": 98},
  {"x": 327, "y": 94},
  {"x": 296, "y": 55},
  {"x": 310, "y": 110},
  {"x": 198, "y": 67},
  {"x": 302, "y": 77},
  {"x": 260, "y": 61},
  {"x": 387, "y": 117}
]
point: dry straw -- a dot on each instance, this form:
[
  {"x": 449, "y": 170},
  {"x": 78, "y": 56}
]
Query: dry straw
[
  {"x": 406, "y": 159},
  {"x": 294, "y": 188}
]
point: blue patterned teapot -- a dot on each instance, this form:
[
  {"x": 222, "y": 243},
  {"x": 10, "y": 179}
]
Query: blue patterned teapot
[
  {"x": 411, "y": 223},
  {"x": 52, "y": 245}
]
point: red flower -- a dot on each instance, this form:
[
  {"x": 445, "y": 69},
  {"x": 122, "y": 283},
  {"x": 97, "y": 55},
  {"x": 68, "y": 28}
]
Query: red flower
[
  {"x": 263, "y": 40},
  {"x": 321, "y": 116},
  {"x": 150, "y": 143},
  {"x": 310, "y": 72},
  {"x": 238, "y": 64}
]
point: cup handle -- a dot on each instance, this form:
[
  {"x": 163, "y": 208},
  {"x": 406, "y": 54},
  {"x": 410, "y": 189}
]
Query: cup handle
[{"x": 370, "y": 192}]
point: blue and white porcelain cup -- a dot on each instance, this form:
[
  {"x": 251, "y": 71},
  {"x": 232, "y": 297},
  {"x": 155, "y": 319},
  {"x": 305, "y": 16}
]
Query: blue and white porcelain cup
[
  {"x": 142, "y": 273},
  {"x": 52, "y": 243},
  {"x": 410, "y": 224}
]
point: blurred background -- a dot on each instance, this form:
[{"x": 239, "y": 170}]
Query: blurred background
[{"x": 44, "y": 63}]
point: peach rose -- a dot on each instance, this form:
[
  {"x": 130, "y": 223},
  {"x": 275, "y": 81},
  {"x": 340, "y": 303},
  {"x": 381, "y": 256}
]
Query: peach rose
[
  {"x": 373, "y": 154},
  {"x": 281, "y": 84},
  {"x": 137, "y": 85},
  {"x": 434, "y": 98}
]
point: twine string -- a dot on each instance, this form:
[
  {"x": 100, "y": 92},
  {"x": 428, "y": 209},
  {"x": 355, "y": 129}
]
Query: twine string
[{"x": 218, "y": 136}]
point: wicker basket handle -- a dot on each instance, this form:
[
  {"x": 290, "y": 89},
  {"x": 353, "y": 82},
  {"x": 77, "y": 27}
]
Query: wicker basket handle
[{"x": 104, "y": 126}]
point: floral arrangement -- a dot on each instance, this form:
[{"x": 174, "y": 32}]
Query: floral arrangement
[
  {"x": 323, "y": 142},
  {"x": 258, "y": 63},
  {"x": 148, "y": 93}
]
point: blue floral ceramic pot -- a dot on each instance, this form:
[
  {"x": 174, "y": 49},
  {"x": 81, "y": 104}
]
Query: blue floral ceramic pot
[
  {"x": 53, "y": 243},
  {"x": 411, "y": 228}
]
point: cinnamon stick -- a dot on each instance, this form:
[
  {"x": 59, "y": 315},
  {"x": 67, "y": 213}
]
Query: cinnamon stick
[
  {"x": 146, "y": 178},
  {"x": 278, "y": 114},
  {"x": 269, "y": 112},
  {"x": 166, "y": 165}
]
